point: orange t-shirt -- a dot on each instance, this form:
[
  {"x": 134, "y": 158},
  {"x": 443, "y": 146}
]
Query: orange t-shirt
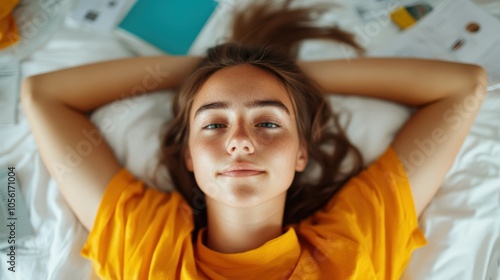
[
  {"x": 8, "y": 28},
  {"x": 368, "y": 230}
]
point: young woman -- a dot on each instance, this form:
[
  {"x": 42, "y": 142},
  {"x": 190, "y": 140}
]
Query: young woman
[{"x": 249, "y": 122}]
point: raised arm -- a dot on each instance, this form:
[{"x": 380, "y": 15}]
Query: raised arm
[
  {"x": 448, "y": 96},
  {"x": 88, "y": 87},
  {"x": 71, "y": 147}
]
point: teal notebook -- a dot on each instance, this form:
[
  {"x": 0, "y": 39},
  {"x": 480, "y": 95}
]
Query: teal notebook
[{"x": 170, "y": 25}]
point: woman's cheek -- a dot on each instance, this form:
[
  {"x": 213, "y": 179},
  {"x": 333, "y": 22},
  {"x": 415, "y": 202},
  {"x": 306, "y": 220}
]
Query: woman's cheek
[
  {"x": 276, "y": 139},
  {"x": 283, "y": 148},
  {"x": 281, "y": 138},
  {"x": 207, "y": 150}
]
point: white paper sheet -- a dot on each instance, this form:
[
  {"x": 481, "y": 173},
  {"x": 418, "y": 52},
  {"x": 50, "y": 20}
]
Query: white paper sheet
[
  {"x": 101, "y": 16},
  {"x": 457, "y": 30}
]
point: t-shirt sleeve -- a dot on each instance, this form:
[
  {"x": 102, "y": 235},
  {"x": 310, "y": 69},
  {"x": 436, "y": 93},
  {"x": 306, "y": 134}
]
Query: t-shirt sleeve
[
  {"x": 131, "y": 222},
  {"x": 375, "y": 210}
]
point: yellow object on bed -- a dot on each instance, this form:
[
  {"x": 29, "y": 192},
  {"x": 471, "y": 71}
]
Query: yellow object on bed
[{"x": 8, "y": 29}]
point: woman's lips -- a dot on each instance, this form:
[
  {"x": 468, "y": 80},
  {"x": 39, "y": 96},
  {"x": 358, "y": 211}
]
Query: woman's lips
[
  {"x": 241, "y": 173},
  {"x": 241, "y": 169}
]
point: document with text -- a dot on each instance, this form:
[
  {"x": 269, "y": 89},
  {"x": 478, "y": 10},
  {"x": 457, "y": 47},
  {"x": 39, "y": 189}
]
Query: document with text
[{"x": 456, "y": 30}]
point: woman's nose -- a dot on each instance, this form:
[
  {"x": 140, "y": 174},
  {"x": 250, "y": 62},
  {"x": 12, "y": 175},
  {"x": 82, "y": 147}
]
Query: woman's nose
[{"x": 239, "y": 141}]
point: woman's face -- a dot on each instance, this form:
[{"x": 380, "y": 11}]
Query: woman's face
[{"x": 244, "y": 146}]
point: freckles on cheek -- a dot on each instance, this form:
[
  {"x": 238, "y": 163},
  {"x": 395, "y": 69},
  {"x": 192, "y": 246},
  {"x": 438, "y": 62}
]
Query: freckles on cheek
[
  {"x": 204, "y": 152},
  {"x": 279, "y": 140},
  {"x": 280, "y": 149},
  {"x": 205, "y": 146}
]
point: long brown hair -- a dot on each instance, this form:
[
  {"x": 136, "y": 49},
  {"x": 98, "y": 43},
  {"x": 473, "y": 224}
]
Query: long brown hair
[{"x": 266, "y": 37}]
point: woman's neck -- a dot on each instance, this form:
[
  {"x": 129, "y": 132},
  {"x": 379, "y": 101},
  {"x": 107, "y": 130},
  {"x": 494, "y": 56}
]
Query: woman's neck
[{"x": 235, "y": 230}]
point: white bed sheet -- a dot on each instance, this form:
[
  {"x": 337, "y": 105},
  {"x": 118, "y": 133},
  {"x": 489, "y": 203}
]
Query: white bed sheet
[{"x": 462, "y": 223}]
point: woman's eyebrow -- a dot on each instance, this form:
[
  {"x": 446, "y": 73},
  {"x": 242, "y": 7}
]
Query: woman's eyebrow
[
  {"x": 267, "y": 103},
  {"x": 212, "y": 106},
  {"x": 252, "y": 104}
]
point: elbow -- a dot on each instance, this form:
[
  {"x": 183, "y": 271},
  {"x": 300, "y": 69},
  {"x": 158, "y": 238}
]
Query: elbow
[
  {"x": 26, "y": 93},
  {"x": 478, "y": 81},
  {"x": 29, "y": 94},
  {"x": 480, "y": 75},
  {"x": 27, "y": 97}
]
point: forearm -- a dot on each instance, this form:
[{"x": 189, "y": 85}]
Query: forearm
[
  {"x": 413, "y": 82},
  {"x": 87, "y": 87}
]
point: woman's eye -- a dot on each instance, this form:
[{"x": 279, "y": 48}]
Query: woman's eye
[
  {"x": 268, "y": 125},
  {"x": 213, "y": 126}
]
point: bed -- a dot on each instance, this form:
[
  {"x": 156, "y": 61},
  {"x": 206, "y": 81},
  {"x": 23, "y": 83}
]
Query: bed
[{"x": 462, "y": 223}]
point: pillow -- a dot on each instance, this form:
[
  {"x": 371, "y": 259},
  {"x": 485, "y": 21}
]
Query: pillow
[{"x": 133, "y": 127}]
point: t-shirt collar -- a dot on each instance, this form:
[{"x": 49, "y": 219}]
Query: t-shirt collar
[{"x": 281, "y": 252}]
